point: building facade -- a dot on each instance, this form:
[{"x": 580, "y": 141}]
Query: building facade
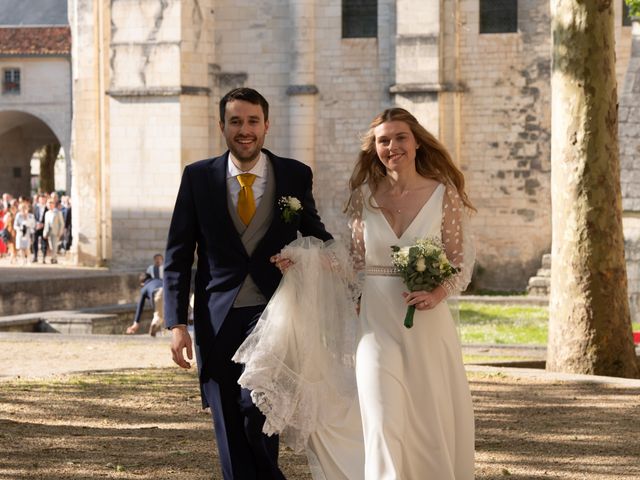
[
  {"x": 35, "y": 91},
  {"x": 148, "y": 75}
]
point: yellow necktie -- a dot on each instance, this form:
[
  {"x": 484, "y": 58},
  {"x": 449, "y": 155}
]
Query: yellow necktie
[{"x": 246, "y": 202}]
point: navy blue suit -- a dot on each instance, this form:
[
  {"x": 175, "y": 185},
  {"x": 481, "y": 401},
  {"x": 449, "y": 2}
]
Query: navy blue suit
[{"x": 201, "y": 222}]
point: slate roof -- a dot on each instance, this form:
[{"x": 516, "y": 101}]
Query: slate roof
[
  {"x": 35, "y": 41},
  {"x": 14, "y": 13}
]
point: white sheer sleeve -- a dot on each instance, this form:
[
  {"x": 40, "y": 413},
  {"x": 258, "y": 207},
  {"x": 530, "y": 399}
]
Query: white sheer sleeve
[
  {"x": 299, "y": 359},
  {"x": 457, "y": 240}
]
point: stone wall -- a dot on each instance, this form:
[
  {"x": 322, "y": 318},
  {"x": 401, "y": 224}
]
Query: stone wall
[
  {"x": 629, "y": 132},
  {"x": 169, "y": 62},
  {"x": 505, "y": 139},
  {"x": 352, "y": 77},
  {"x": 629, "y": 138},
  {"x": 158, "y": 116},
  {"x": 505, "y": 142}
]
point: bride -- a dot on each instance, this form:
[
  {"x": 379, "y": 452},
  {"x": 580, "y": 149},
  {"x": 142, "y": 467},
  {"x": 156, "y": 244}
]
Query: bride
[{"x": 404, "y": 411}]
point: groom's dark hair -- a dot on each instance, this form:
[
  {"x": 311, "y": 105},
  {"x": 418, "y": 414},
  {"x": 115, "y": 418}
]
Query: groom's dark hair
[{"x": 248, "y": 95}]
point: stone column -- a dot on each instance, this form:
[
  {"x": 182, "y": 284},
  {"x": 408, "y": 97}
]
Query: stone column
[
  {"x": 418, "y": 65},
  {"x": 88, "y": 132},
  {"x": 629, "y": 138},
  {"x": 302, "y": 90}
]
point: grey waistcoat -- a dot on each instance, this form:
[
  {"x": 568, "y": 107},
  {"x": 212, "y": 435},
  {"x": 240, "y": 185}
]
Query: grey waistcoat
[{"x": 251, "y": 235}]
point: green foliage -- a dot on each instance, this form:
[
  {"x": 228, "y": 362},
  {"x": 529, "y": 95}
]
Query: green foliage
[{"x": 634, "y": 8}]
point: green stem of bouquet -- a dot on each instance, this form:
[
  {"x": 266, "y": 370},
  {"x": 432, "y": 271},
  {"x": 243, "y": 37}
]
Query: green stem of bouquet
[{"x": 408, "y": 319}]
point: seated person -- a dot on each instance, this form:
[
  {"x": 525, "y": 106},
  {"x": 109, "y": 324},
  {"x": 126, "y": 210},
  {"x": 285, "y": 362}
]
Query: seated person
[{"x": 150, "y": 281}]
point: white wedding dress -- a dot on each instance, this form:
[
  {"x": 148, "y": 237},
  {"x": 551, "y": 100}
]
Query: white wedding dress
[
  {"x": 414, "y": 396},
  {"x": 414, "y": 418}
]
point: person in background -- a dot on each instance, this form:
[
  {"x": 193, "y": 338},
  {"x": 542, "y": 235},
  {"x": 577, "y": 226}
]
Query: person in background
[
  {"x": 6, "y": 201},
  {"x": 4, "y": 235},
  {"x": 67, "y": 238},
  {"x": 150, "y": 282},
  {"x": 39, "y": 210},
  {"x": 10, "y": 232},
  {"x": 53, "y": 228},
  {"x": 24, "y": 224}
]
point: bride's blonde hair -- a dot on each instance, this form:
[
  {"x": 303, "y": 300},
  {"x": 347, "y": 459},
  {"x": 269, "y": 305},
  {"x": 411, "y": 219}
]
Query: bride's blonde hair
[{"x": 432, "y": 159}]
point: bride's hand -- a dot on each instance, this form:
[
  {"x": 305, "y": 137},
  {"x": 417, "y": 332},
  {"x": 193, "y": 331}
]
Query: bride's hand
[
  {"x": 281, "y": 262},
  {"x": 424, "y": 300}
]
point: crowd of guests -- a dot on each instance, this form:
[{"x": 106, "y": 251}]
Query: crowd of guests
[{"x": 35, "y": 227}]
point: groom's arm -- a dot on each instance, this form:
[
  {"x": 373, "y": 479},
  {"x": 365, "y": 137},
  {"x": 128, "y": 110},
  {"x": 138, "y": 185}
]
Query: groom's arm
[
  {"x": 310, "y": 223},
  {"x": 181, "y": 243}
]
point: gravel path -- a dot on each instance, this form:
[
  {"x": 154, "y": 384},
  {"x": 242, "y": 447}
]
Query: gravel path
[{"x": 104, "y": 406}]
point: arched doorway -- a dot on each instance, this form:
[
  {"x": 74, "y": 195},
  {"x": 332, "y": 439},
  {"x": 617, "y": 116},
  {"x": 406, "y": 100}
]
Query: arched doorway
[{"x": 21, "y": 135}]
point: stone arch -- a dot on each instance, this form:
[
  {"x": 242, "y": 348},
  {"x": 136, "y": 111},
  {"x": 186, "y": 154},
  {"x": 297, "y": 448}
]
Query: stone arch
[{"x": 21, "y": 134}]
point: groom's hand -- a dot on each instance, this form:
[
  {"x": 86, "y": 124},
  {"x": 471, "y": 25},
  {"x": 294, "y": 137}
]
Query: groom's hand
[
  {"x": 180, "y": 339},
  {"x": 281, "y": 262}
]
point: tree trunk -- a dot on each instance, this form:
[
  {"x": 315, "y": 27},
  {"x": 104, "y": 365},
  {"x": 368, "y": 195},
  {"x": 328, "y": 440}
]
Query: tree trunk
[
  {"x": 589, "y": 326},
  {"x": 47, "y": 170}
]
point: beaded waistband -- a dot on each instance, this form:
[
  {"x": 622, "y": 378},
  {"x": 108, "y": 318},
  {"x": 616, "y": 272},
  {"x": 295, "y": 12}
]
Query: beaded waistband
[{"x": 381, "y": 270}]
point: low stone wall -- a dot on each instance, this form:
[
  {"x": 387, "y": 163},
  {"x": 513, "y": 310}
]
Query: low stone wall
[
  {"x": 68, "y": 293},
  {"x": 107, "y": 320}
]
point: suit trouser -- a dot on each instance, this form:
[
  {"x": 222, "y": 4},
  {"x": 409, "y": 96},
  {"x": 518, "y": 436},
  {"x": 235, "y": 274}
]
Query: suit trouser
[
  {"x": 39, "y": 242},
  {"x": 53, "y": 246},
  {"x": 146, "y": 292},
  {"x": 245, "y": 452}
]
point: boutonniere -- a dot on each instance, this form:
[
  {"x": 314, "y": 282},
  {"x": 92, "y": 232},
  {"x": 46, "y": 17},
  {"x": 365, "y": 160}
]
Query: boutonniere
[{"x": 290, "y": 208}]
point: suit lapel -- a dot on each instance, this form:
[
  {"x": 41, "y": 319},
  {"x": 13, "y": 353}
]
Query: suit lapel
[{"x": 279, "y": 175}]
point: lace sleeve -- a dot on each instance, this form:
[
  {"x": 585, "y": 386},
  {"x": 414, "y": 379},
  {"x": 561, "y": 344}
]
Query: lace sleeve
[{"x": 457, "y": 240}]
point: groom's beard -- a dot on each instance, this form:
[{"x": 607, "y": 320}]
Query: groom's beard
[{"x": 246, "y": 154}]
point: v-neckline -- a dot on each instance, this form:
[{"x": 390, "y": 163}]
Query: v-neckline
[{"x": 386, "y": 221}]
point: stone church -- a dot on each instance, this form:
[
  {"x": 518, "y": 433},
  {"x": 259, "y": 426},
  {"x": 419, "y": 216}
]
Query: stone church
[{"x": 147, "y": 75}]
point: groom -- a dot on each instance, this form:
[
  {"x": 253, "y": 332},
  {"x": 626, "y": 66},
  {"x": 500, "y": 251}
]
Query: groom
[{"x": 228, "y": 210}]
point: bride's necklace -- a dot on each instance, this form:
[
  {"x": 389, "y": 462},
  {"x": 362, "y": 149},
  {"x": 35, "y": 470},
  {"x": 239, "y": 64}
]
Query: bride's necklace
[{"x": 395, "y": 203}]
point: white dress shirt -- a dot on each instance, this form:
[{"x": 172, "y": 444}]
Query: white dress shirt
[{"x": 259, "y": 184}]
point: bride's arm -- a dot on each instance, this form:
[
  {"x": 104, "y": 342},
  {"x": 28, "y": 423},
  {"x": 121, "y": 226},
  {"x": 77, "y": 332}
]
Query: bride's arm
[{"x": 457, "y": 241}]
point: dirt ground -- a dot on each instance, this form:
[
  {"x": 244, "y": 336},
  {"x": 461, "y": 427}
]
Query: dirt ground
[{"x": 130, "y": 422}]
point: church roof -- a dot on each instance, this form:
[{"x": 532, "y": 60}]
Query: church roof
[{"x": 35, "y": 41}]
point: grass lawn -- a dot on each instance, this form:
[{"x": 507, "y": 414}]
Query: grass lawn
[{"x": 505, "y": 324}]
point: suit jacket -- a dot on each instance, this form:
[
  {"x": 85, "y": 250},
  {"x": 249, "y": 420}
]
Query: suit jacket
[
  {"x": 53, "y": 224},
  {"x": 201, "y": 222}
]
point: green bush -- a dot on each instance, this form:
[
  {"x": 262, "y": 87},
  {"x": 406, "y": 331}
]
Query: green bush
[{"x": 634, "y": 8}]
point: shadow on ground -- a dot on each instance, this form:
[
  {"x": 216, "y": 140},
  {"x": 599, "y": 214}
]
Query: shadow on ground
[{"x": 148, "y": 424}]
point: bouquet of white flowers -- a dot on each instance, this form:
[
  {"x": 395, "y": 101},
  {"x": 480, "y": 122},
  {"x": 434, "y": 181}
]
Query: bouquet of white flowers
[{"x": 422, "y": 266}]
